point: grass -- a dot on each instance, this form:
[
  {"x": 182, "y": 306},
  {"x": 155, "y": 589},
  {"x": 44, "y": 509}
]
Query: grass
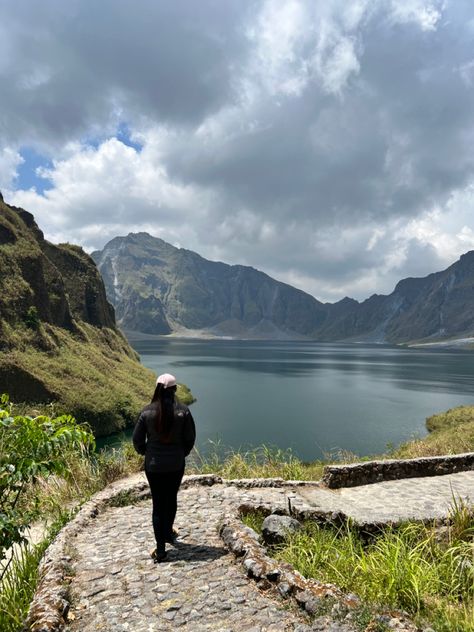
[
  {"x": 254, "y": 520},
  {"x": 409, "y": 568},
  {"x": 18, "y": 586},
  {"x": 85, "y": 476},
  {"x": 95, "y": 377},
  {"x": 57, "y": 499},
  {"x": 417, "y": 568},
  {"x": 450, "y": 432},
  {"x": 91, "y": 376},
  {"x": 260, "y": 462},
  {"x": 19, "y": 582}
]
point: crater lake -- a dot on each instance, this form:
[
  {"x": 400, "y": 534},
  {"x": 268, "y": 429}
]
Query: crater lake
[{"x": 315, "y": 398}]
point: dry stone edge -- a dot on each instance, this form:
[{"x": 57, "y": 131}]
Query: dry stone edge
[
  {"x": 355, "y": 474},
  {"x": 282, "y": 577}
]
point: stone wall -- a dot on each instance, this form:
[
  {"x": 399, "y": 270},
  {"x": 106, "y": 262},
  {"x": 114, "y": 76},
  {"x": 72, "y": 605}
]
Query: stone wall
[{"x": 356, "y": 474}]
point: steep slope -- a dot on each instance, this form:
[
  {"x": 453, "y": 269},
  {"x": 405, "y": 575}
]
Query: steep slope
[
  {"x": 157, "y": 288},
  {"x": 439, "y": 306},
  {"x": 58, "y": 337}
]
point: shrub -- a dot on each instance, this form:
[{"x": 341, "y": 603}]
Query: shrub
[
  {"x": 32, "y": 319},
  {"x": 30, "y": 448}
]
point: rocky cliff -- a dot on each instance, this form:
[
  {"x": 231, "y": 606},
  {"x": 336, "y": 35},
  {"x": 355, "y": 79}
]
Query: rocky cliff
[
  {"x": 439, "y": 306},
  {"x": 158, "y": 289},
  {"x": 58, "y": 337}
]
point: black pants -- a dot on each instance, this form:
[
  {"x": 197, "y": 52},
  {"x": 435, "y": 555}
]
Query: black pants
[{"x": 164, "y": 492}]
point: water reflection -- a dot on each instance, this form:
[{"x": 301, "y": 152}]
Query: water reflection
[{"x": 410, "y": 368}]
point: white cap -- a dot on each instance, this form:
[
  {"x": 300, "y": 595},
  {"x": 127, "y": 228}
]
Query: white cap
[{"x": 167, "y": 380}]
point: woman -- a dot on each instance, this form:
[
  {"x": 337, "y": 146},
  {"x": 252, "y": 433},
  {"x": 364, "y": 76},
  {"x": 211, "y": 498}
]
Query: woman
[{"x": 165, "y": 434}]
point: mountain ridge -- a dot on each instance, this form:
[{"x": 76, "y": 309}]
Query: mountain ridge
[{"x": 158, "y": 288}]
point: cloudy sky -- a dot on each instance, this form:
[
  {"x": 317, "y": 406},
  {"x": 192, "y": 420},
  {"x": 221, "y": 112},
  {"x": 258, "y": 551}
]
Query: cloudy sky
[{"x": 326, "y": 142}]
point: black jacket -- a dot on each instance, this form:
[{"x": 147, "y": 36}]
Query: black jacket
[{"x": 164, "y": 454}]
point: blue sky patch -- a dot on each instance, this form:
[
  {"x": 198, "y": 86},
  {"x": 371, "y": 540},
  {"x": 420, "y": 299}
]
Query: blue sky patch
[
  {"x": 123, "y": 135},
  {"x": 27, "y": 176}
]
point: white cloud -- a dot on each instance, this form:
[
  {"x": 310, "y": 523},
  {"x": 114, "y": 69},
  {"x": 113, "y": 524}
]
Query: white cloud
[
  {"x": 9, "y": 163},
  {"x": 279, "y": 35},
  {"x": 340, "y": 64},
  {"x": 98, "y": 192},
  {"x": 422, "y": 12}
]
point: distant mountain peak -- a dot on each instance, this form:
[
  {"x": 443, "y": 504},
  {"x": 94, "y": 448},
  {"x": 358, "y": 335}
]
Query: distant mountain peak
[{"x": 158, "y": 288}]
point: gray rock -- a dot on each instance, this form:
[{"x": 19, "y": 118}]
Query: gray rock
[{"x": 275, "y": 528}]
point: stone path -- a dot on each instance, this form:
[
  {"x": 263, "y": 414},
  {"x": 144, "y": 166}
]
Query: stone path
[
  {"x": 117, "y": 587},
  {"x": 424, "y": 498},
  {"x": 201, "y": 587}
]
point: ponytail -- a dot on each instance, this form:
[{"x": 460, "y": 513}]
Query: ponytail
[{"x": 162, "y": 401}]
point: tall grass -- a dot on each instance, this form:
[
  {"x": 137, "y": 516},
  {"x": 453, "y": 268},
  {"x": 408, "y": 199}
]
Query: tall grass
[
  {"x": 86, "y": 475},
  {"x": 261, "y": 462},
  {"x": 19, "y": 582},
  {"x": 426, "y": 571},
  {"x": 450, "y": 432}
]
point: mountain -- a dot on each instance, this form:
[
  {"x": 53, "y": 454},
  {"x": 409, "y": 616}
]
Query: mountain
[
  {"x": 159, "y": 289},
  {"x": 58, "y": 337},
  {"x": 439, "y": 306}
]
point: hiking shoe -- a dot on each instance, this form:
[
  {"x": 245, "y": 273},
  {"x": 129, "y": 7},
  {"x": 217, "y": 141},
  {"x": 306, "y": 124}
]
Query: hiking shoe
[
  {"x": 158, "y": 555},
  {"x": 171, "y": 539}
]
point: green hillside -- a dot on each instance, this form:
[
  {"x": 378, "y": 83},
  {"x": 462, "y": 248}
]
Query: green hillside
[{"x": 58, "y": 338}]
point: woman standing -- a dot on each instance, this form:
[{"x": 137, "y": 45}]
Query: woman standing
[{"x": 165, "y": 434}]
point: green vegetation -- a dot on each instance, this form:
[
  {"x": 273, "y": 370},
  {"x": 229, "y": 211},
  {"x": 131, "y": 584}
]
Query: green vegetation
[
  {"x": 254, "y": 520},
  {"x": 91, "y": 375},
  {"x": 425, "y": 571},
  {"x": 48, "y": 468},
  {"x": 184, "y": 394},
  {"x": 18, "y": 582},
  {"x": 450, "y": 432},
  {"x": 31, "y": 448},
  {"x": 58, "y": 338},
  {"x": 261, "y": 462},
  {"x": 32, "y": 319}
]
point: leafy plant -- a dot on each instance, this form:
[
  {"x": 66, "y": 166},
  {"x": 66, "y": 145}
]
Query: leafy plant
[{"x": 30, "y": 448}]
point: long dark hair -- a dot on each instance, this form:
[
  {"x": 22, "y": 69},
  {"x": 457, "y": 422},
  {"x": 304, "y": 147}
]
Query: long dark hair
[{"x": 162, "y": 401}]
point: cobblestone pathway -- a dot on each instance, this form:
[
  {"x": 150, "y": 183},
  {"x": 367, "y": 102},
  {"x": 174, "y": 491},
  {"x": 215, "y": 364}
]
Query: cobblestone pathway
[
  {"x": 424, "y": 498},
  {"x": 116, "y": 586}
]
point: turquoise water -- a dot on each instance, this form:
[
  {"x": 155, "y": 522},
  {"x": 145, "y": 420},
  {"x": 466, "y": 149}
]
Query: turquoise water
[{"x": 314, "y": 398}]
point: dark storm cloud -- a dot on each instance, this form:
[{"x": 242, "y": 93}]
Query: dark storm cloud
[
  {"x": 304, "y": 138},
  {"x": 396, "y": 142},
  {"x": 70, "y": 68}
]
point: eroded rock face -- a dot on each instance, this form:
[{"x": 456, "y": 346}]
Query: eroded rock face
[
  {"x": 276, "y": 528},
  {"x": 61, "y": 282},
  {"x": 157, "y": 288},
  {"x": 57, "y": 328}
]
